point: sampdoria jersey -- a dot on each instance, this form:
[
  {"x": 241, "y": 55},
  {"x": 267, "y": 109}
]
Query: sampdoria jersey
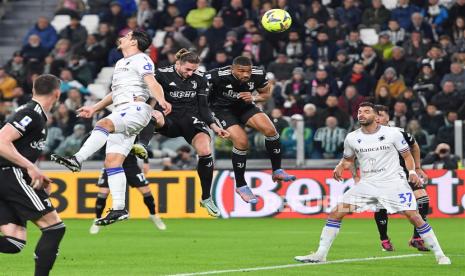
[
  {"x": 225, "y": 88},
  {"x": 30, "y": 121},
  {"x": 128, "y": 78},
  {"x": 377, "y": 153}
]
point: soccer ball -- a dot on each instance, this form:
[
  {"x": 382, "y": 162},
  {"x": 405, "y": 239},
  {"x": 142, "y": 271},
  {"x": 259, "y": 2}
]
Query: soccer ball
[{"x": 276, "y": 20}]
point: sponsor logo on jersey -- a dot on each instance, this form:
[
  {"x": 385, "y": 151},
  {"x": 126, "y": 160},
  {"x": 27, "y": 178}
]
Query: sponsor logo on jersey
[
  {"x": 148, "y": 67},
  {"x": 381, "y": 138},
  {"x": 194, "y": 84},
  {"x": 380, "y": 148},
  {"x": 38, "y": 145},
  {"x": 183, "y": 94},
  {"x": 251, "y": 85},
  {"x": 172, "y": 83},
  {"x": 231, "y": 94},
  {"x": 229, "y": 86},
  {"x": 25, "y": 121},
  {"x": 359, "y": 141}
]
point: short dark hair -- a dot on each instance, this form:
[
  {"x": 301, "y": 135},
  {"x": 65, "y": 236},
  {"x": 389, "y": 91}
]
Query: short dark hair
[
  {"x": 242, "y": 61},
  {"x": 367, "y": 104},
  {"x": 381, "y": 108},
  {"x": 46, "y": 84},
  {"x": 185, "y": 55},
  {"x": 143, "y": 40}
]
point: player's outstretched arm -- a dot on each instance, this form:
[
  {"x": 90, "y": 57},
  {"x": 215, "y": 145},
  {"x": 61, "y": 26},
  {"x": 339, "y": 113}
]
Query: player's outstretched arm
[
  {"x": 415, "y": 150},
  {"x": 344, "y": 164},
  {"x": 89, "y": 111},
  {"x": 410, "y": 165},
  {"x": 8, "y": 151},
  {"x": 157, "y": 92}
]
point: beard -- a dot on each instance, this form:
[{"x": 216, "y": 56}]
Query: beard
[{"x": 367, "y": 122}]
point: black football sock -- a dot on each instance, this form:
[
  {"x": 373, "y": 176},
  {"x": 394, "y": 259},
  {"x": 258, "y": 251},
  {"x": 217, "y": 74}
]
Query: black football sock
[
  {"x": 273, "y": 147},
  {"x": 149, "y": 202},
  {"x": 11, "y": 245},
  {"x": 381, "y": 218},
  {"x": 100, "y": 204},
  {"x": 239, "y": 159},
  {"x": 423, "y": 208},
  {"x": 205, "y": 170},
  {"x": 47, "y": 248}
]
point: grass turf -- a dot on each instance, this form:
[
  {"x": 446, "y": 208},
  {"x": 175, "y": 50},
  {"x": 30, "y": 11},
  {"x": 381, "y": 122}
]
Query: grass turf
[{"x": 135, "y": 247}]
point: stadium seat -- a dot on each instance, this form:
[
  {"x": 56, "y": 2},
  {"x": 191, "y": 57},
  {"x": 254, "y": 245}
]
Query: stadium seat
[
  {"x": 90, "y": 21},
  {"x": 369, "y": 36},
  {"x": 390, "y": 4},
  {"x": 60, "y": 22},
  {"x": 106, "y": 73},
  {"x": 98, "y": 90}
]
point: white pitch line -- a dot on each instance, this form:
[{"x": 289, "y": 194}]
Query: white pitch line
[{"x": 297, "y": 265}]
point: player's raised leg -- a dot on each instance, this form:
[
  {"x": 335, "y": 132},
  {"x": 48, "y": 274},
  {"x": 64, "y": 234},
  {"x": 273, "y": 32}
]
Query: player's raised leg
[
  {"x": 328, "y": 234},
  {"x": 427, "y": 234},
  {"x": 205, "y": 167},
  {"x": 239, "y": 162},
  {"x": 423, "y": 207},
  {"x": 263, "y": 124}
]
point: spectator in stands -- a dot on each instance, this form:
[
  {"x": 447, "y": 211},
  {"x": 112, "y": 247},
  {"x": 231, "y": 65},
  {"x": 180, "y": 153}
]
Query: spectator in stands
[
  {"x": 335, "y": 32},
  {"x": 420, "y": 135},
  {"x": 164, "y": 19},
  {"x": 278, "y": 120},
  {"x": 322, "y": 77},
  {"x": 7, "y": 86},
  {"x": 295, "y": 49},
  {"x": 311, "y": 117},
  {"x": 441, "y": 158},
  {"x": 72, "y": 143},
  {"x": 183, "y": 34},
  {"x": 415, "y": 48},
  {"x": 405, "y": 68},
  {"x": 457, "y": 31},
  {"x": 446, "y": 45},
  {"x": 98, "y": 6},
  {"x": 348, "y": 14},
  {"x": 397, "y": 35},
  {"x": 436, "y": 15},
  {"x": 203, "y": 49},
  {"x": 353, "y": 45},
  {"x": 131, "y": 25},
  {"x": 415, "y": 103},
  {"x": 329, "y": 140},
  {"x": 403, "y": 12},
  {"x": 400, "y": 115},
  {"x": 68, "y": 82},
  {"x": 114, "y": 16},
  {"x": 144, "y": 16},
  {"x": 81, "y": 70},
  {"x": 350, "y": 101},
  {"x": 94, "y": 53},
  {"x": 6, "y": 109},
  {"x": 360, "y": 79},
  {"x": 46, "y": 32},
  {"x": 297, "y": 87},
  {"x": 75, "y": 33},
  {"x": 71, "y": 7},
  {"x": 458, "y": 9},
  {"x": 129, "y": 7},
  {"x": 448, "y": 98},
  {"x": 457, "y": 76},
  {"x": 371, "y": 62},
  {"x": 317, "y": 11},
  {"x": 16, "y": 68},
  {"x": 432, "y": 120},
  {"x": 427, "y": 82},
  {"x": 74, "y": 99},
  {"x": 201, "y": 18},
  {"x": 384, "y": 46},
  {"x": 418, "y": 24},
  {"x": 54, "y": 136},
  {"x": 216, "y": 34},
  {"x": 33, "y": 51},
  {"x": 392, "y": 81},
  {"x": 320, "y": 95},
  {"x": 333, "y": 110},
  {"x": 65, "y": 119},
  {"x": 234, "y": 14},
  {"x": 289, "y": 139},
  {"x": 261, "y": 50},
  {"x": 232, "y": 46},
  {"x": 446, "y": 132},
  {"x": 184, "y": 160},
  {"x": 105, "y": 37},
  {"x": 221, "y": 60},
  {"x": 384, "y": 98},
  {"x": 62, "y": 50},
  {"x": 323, "y": 51},
  {"x": 341, "y": 66},
  {"x": 282, "y": 68},
  {"x": 375, "y": 16}
]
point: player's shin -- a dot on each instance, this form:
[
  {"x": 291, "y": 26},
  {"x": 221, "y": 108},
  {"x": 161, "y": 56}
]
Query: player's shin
[
  {"x": 273, "y": 147},
  {"x": 423, "y": 208},
  {"x": 328, "y": 235},
  {"x": 205, "y": 168},
  {"x": 100, "y": 204},
  {"x": 239, "y": 159},
  {"x": 117, "y": 185},
  {"x": 381, "y": 218},
  {"x": 149, "y": 201},
  {"x": 47, "y": 248},
  {"x": 427, "y": 234},
  {"x": 96, "y": 141}
]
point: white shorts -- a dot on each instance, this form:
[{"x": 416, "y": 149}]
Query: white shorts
[
  {"x": 129, "y": 119},
  {"x": 394, "y": 196}
]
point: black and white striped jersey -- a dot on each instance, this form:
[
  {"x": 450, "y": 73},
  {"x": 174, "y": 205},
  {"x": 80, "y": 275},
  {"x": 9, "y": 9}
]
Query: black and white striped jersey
[
  {"x": 225, "y": 88},
  {"x": 30, "y": 121}
]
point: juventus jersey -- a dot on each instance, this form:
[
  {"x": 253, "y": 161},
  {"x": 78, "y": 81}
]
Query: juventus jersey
[
  {"x": 128, "y": 78},
  {"x": 30, "y": 121},
  {"x": 225, "y": 88},
  {"x": 377, "y": 153}
]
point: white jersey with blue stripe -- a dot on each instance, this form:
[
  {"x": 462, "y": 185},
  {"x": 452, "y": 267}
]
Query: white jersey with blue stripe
[
  {"x": 128, "y": 78},
  {"x": 377, "y": 153}
]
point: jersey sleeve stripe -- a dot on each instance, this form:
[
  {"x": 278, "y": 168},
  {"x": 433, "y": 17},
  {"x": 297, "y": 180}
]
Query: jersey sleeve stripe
[
  {"x": 15, "y": 129},
  {"x": 348, "y": 156},
  {"x": 404, "y": 150}
]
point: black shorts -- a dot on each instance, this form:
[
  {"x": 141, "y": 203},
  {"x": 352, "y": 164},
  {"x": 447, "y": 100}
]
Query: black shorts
[
  {"x": 235, "y": 115},
  {"x": 19, "y": 202},
  {"x": 183, "y": 125},
  {"x": 134, "y": 176}
]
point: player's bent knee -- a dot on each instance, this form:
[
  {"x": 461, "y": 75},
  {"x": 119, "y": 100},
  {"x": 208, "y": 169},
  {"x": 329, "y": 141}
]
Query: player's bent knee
[
  {"x": 269, "y": 132},
  {"x": 159, "y": 119},
  {"x": 106, "y": 124}
]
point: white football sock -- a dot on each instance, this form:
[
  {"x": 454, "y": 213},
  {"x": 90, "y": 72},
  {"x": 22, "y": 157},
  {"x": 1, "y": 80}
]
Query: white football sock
[
  {"x": 96, "y": 141},
  {"x": 328, "y": 235},
  {"x": 117, "y": 185},
  {"x": 427, "y": 234}
]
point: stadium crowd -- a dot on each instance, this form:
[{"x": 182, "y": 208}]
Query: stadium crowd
[{"x": 320, "y": 70}]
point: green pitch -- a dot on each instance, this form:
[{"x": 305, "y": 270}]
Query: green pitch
[{"x": 135, "y": 247}]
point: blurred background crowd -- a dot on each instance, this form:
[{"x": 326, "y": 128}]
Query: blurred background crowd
[{"x": 407, "y": 55}]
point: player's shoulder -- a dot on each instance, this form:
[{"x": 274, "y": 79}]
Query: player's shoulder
[
  {"x": 392, "y": 130},
  {"x": 224, "y": 71},
  {"x": 142, "y": 57},
  {"x": 351, "y": 135},
  {"x": 31, "y": 108},
  {"x": 258, "y": 71},
  {"x": 165, "y": 70},
  {"x": 218, "y": 73}
]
